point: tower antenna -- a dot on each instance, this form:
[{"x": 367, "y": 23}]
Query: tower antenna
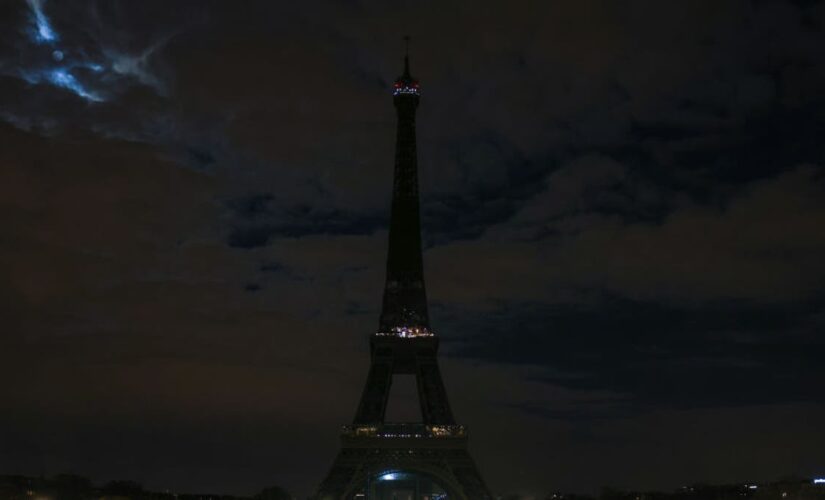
[{"x": 406, "y": 55}]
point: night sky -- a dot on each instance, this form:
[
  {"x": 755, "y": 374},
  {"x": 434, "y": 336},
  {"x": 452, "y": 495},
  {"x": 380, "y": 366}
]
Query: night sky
[{"x": 623, "y": 210}]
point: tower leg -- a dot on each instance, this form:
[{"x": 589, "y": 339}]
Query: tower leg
[
  {"x": 373, "y": 404},
  {"x": 435, "y": 407}
]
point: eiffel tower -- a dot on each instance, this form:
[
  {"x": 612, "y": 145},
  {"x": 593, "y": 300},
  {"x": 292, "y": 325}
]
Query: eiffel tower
[{"x": 426, "y": 460}]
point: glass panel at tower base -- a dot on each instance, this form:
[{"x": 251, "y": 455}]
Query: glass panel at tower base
[{"x": 399, "y": 485}]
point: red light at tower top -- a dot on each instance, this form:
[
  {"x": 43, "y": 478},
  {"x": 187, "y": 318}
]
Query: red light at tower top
[
  {"x": 405, "y": 84},
  {"x": 405, "y": 88}
]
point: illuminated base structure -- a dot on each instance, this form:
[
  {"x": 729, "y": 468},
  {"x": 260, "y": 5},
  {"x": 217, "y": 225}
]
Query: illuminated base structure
[
  {"x": 419, "y": 461},
  {"x": 403, "y": 486},
  {"x": 404, "y": 462}
]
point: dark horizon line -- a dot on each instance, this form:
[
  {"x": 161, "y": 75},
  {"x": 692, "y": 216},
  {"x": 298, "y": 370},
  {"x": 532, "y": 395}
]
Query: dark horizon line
[{"x": 89, "y": 485}]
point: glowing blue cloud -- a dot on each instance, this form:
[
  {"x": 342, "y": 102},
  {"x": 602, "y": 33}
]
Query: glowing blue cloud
[
  {"x": 60, "y": 76},
  {"x": 63, "y": 78},
  {"x": 43, "y": 29},
  {"x": 73, "y": 71}
]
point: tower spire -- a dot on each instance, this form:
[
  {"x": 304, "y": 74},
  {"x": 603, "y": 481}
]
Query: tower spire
[{"x": 407, "y": 57}]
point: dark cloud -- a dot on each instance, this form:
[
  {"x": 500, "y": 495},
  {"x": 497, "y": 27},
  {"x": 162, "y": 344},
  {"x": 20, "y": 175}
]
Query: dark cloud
[
  {"x": 762, "y": 245},
  {"x": 656, "y": 356}
]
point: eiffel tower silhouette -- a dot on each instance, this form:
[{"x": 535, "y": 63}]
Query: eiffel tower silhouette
[{"x": 426, "y": 460}]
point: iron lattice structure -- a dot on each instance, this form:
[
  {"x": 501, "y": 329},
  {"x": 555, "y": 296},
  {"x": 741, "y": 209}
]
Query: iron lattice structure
[{"x": 404, "y": 344}]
